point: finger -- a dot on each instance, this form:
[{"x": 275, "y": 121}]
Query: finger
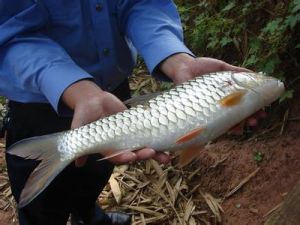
[
  {"x": 236, "y": 68},
  {"x": 261, "y": 114},
  {"x": 162, "y": 158},
  {"x": 80, "y": 161},
  {"x": 252, "y": 122},
  {"x": 144, "y": 154},
  {"x": 238, "y": 129},
  {"x": 79, "y": 119},
  {"x": 148, "y": 153},
  {"x": 124, "y": 158},
  {"x": 76, "y": 121},
  {"x": 236, "y": 132}
]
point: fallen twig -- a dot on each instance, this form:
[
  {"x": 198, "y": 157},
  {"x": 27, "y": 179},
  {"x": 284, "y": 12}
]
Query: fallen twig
[{"x": 242, "y": 183}]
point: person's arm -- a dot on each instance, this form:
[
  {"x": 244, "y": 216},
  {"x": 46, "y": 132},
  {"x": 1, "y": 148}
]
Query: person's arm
[
  {"x": 32, "y": 59},
  {"x": 154, "y": 28}
]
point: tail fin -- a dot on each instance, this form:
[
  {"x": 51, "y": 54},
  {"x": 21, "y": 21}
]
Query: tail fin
[{"x": 42, "y": 148}]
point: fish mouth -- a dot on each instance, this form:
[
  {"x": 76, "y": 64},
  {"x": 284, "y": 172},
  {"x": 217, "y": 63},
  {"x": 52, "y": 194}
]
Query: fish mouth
[
  {"x": 273, "y": 91},
  {"x": 280, "y": 85}
]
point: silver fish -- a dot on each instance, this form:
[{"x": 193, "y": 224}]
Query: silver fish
[{"x": 183, "y": 118}]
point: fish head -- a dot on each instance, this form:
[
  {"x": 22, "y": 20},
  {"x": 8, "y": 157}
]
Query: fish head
[{"x": 267, "y": 87}]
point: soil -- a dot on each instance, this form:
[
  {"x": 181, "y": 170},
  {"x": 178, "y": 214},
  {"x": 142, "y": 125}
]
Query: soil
[
  {"x": 7, "y": 211},
  {"x": 273, "y": 153}
]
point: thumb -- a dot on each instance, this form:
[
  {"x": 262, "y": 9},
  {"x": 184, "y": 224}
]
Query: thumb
[
  {"x": 78, "y": 120},
  {"x": 235, "y": 68}
]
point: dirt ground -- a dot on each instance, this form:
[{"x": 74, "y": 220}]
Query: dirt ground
[
  {"x": 262, "y": 167},
  {"x": 7, "y": 211}
]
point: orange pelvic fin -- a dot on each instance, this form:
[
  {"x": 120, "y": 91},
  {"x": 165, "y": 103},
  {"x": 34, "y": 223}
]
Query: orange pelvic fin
[
  {"x": 232, "y": 99},
  {"x": 190, "y": 135},
  {"x": 188, "y": 155}
]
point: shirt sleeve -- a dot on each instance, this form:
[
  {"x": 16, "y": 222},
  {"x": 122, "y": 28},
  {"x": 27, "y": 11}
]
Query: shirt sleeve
[
  {"x": 154, "y": 28},
  {"x": 32, "y": 59}
]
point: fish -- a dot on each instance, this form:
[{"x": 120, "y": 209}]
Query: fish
[{"x": 183, "y": 119}]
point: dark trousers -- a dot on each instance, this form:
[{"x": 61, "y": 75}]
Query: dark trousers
[{"x": 74, "y": 190}]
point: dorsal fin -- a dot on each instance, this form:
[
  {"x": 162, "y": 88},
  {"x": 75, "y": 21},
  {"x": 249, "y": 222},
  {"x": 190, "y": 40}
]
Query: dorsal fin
[{"x": 141, "y": 99}]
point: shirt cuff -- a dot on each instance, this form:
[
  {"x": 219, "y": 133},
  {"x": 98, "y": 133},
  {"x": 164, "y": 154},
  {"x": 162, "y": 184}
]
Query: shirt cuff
[
  {"x": 158, "y": 51},
  {"x": 57, "y": 78}
]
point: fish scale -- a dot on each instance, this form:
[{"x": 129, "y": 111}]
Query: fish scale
[{"x": 183, "y": 118}]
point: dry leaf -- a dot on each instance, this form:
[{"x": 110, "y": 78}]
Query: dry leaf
[
  {"x": 143, "y": 210},
  {"x": 214, "y": 205},
  {"x": 115, "y": 188},
  {"x": 192, "y": 221},
  {"x": 157, "y": 168},
  {"x": 189, "y": 208}
]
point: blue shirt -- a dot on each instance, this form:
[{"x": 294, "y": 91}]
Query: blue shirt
[{"x": 46, "y": 45}]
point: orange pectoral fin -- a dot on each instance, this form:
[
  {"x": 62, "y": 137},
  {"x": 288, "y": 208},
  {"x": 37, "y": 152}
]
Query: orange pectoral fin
[
  {"x": 190, "y": 135},
  {"x": 232, "y": 99},
  {"x": 188, "y": 155}
]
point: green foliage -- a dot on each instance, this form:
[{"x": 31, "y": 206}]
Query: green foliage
[
  {"x": 2, "y": 100},
  {"x": 164, "y": 86},
  {"x": 263, "y": 36},
  {"x": 288, "y": 94},
  {"x": 258, "y": 157}
]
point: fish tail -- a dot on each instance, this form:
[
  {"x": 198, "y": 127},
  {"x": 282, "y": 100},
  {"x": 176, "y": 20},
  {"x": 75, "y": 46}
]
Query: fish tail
[{"x": 45, "y": 149}]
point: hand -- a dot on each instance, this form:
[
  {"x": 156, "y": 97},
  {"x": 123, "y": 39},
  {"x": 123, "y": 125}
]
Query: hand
[
  {"x": 250, "y": 122},
  {"x": 182, "y": 67},
  {"x": 90, "y": 103}
]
